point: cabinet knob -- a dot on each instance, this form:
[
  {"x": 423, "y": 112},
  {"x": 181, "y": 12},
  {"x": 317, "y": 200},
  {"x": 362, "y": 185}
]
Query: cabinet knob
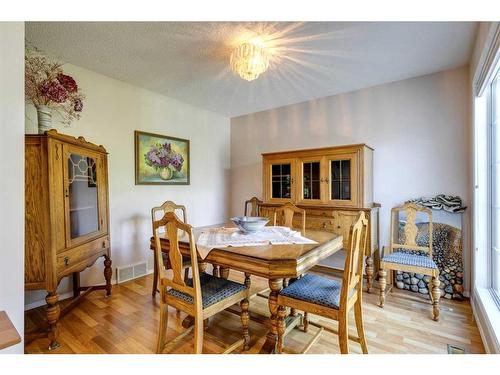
[
  {"x": 66, "y": 261},
  {"x": 324, "y": 225},
  {"x": 103, "y": 244},
  {"x": 338, "y": 226}
]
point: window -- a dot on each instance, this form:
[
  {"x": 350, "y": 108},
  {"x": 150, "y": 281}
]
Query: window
[{"x": 494, "y": 186}]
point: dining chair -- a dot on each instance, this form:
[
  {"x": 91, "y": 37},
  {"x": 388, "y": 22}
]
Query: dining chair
[
  {"x": 405, "y": 253},
  {"x": 158, "y": 212},
  {"x": 284, "y": 216},
  {"x": 202, "y": 296},
  {"x": 254, "y": 203},
  {"x": 330, "y": 298}
]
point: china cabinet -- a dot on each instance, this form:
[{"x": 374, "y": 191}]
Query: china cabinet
[
  {"x": 332, "y": 184},
  {"x": 66, "y": 217}
]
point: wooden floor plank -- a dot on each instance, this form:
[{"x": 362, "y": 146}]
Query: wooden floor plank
[{"x": 127, "y": 322}]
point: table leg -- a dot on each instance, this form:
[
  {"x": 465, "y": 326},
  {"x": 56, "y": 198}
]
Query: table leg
[
  {"x": 272, "y": 336},
  {"x": 224, "y": 272},
  {"x": 215, "y": 270},
  {"x": 369, "y": 273}
]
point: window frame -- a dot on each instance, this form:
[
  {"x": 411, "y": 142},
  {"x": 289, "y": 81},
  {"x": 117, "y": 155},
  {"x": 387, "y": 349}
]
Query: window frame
[{"x": 492, "y": 93}]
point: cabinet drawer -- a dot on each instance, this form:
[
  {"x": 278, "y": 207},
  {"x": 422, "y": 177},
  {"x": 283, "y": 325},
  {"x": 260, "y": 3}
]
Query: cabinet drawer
[
  {"x": 321, "y": 213},
  {"x": 319, "y": 223},
  {"x": 79, "y": 257}
]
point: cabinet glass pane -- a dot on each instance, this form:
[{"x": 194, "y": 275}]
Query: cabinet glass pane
[
  {"x": 340, "y": 171},
  {"x": 311, "y": 180},
  {"x": 82, "y": 198},
  {"x": 281, "y": 181}
]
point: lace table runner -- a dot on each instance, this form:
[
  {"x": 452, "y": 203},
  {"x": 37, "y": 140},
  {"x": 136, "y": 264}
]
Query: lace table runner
[{"x": 212, "y": 238}]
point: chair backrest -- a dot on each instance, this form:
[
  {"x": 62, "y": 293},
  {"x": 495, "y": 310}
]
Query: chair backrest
[
  {"x": 255, "y": 206},
  {"x": 284, "y": 216},
  {"x": 172, "y": 226},
  {"x": 410, "y": 211},
  {"x": 353, "y": 269},
  {"x": 168, "y": 206}
]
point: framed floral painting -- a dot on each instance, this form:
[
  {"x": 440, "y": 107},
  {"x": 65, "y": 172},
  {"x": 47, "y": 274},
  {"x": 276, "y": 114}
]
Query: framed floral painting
[{"x": 161, "y": 160}]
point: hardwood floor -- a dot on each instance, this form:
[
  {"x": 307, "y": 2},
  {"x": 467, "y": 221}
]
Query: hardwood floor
[{"x": 127, "y": 322}]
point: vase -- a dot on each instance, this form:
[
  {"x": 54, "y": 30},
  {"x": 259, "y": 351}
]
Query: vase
[
  {"x": 166, "y": 173},
  {"x": 44, "y": 114}
]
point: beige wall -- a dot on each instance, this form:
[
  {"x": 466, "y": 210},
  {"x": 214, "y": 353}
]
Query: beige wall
[
  {"x": 112, "y": 111},
  {"x": 420, "y": 129},
  {"x": 12, "y": 172}
]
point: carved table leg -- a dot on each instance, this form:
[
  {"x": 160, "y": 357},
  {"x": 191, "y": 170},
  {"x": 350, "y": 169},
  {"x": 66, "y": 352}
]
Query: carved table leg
[
  {"x": 245, "y": 319},
  {"x": 248, "y": 281},
  {"x": 272, "y": 335},
  {"x": 369, "y": 273},
  {"x": 53, "y": 313},
  {"x": 202, "y": 266},
  {"x": 108, "y": 272},
  {"x": 224, "y": 272},
  {"x": 436, "y": 294},
  {"x": 382, "y": 282},
  {"x": 281, "y": 328},
  {"x": 216, "y": 270}
]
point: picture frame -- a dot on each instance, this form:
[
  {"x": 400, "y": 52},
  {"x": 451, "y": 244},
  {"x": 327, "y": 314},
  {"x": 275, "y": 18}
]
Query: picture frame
[{"x": 161, "y": 159}]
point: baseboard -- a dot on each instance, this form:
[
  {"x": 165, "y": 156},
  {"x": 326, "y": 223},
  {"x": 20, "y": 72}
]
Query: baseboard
[
  {"x": 486, "y": 330},
  {"x": 41, "y": 302}
]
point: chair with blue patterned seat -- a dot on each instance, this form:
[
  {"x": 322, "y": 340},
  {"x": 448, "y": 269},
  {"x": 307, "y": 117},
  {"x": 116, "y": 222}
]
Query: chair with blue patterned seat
[
  {"x": 405, "y": 254},
  {"x": 330, "y": 298},
  {"x": 202, "y": 296},
  {"x": 157, "y": 213}
]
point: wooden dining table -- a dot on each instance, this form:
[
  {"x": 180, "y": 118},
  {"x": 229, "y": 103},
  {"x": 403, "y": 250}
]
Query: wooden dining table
[{"x": 273, "y": 262}]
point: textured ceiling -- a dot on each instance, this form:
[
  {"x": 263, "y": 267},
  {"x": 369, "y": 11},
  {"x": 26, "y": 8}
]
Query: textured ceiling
[{"x": 189, "y": 61}]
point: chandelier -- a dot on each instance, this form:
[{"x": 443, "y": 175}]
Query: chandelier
[{"x": 249, "y": 60}]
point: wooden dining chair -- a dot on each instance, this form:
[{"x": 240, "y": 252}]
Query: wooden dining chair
[
  {"x": 254, "y": 203},
  {"x": 202, "y": 296},
  {"x": 405, "y": 254},
  {"x": 284, "y": 216},
  {"x": 330, "y": 298},
  {"x": 157, "y": 213}
]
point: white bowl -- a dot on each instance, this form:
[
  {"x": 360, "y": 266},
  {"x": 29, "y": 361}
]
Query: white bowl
[{"x": 249, "y": 224}]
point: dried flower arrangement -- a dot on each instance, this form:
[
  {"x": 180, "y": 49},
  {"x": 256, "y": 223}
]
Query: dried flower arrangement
[{"x": 48, "y": 88}]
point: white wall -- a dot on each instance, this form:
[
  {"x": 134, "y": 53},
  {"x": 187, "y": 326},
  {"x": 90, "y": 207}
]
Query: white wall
[
  {"x": 12, "y": 172},
  {"x": 420, "y": 129},
  {"x": 112, "y": 111}
]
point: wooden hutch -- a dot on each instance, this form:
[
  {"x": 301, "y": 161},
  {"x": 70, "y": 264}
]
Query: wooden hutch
[
  {"x": 66, "y": 217},
  {"x": 332, "y": 184}
]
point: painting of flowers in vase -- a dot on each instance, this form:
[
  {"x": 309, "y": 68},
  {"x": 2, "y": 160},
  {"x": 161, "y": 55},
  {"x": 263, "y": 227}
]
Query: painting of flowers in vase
[{"x": 161, "y": 160}]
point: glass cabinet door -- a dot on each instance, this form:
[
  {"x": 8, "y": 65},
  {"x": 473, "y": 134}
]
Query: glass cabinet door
[
  {"x": 342, "y": 180},
  {"x": 82, "y": 196},
  {"x": 340, "y": 187},
  {"x": 281, "y": 181},
  {"x": 311, "y": 180}
]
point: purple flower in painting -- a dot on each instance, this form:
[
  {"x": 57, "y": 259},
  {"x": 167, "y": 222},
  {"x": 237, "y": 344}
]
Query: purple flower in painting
[
  {"x": 167, "y": 147},
  {"x": 78, "y": 105},
  {"x": 176, "y": 161},
  {"x": 54, "y": 91},
  {"x": 162, "y": 156}
]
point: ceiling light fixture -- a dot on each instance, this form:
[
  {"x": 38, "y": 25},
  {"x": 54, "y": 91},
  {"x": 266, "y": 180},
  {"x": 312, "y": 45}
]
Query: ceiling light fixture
[{"x": 250, "y": 59}]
